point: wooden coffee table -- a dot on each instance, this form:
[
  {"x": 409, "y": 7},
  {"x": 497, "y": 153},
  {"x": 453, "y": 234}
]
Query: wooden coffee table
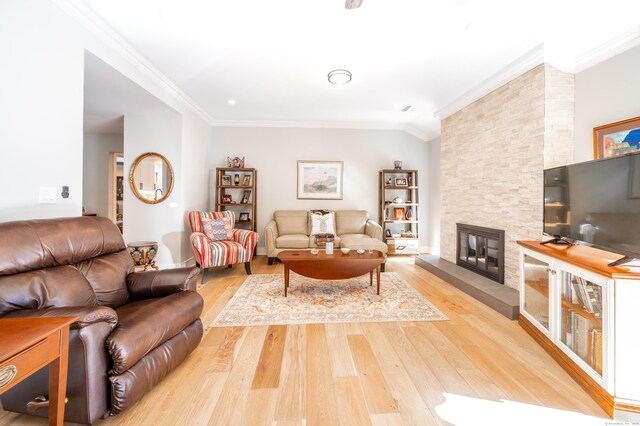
[{"x": 336, "y": 266}]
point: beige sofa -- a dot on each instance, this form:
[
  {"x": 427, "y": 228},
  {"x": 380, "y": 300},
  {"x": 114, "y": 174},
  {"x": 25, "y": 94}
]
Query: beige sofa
[{"x": 290, "y": 229}]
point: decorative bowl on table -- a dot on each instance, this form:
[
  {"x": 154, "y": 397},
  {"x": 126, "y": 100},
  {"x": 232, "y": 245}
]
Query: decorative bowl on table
[
  {"x": 143, "y": 253},
  {"x": 314, "y": 251},
  {"x": 345, "y": 250},
  {"x": 360, "y": 251}
]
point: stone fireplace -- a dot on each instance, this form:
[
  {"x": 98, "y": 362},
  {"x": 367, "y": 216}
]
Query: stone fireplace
[{"x": 481, "y": 250}]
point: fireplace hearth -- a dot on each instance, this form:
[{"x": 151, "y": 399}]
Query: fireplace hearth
[{"x": 481, "y": 250}]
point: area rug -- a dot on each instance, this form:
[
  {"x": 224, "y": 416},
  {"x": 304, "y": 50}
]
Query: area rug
[{"x": 260, "y": 301}]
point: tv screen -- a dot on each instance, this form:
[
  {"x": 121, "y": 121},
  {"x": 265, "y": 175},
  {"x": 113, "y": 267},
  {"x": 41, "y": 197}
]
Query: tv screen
[{"x": 596, "y": 203}]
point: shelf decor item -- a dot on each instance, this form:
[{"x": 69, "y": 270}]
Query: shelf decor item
[
  {"x": 236, "y": 162},
  {"x": 246, "y": 194},
  {"x": 226, "y": 199},
  {"x": 246, "y": 180},
  {"x": 401, "y": 181},
  {"x": 320, "y": 180},
  {"x": 616, "y": 139},
  {"x": 397, "y": 165},
  {"x": 226, "y": 180},
  {"x": 236, "y": 179},
  {"x": 398, "y": 213},
  {"x": 244, "y": 217}
]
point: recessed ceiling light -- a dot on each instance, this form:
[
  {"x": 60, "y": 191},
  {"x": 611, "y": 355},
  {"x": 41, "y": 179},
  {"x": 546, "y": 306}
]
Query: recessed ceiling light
[
  {"x": 403, "y": 108},
  {"x": 231, "y": 101},
  {"x": 339, "y": 76}
]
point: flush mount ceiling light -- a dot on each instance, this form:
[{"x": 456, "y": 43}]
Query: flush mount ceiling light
[
  {"x": 231, "y": 101},
  {"x": 339, "y": 76}
]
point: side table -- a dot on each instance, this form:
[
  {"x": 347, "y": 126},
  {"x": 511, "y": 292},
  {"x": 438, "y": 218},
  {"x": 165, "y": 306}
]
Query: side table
[{"x": 28, "y": 344}]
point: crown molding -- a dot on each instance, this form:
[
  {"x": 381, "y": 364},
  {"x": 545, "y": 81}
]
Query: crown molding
[
  {"x": 607, "y": 50},
  {"x": 516, "y": 68},
  {"x": 81, "y": 13},
  {"x": 358, "y": 125}
]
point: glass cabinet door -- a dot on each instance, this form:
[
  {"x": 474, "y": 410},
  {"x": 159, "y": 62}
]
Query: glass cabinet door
[
  {"x": 581, "y": 318},
  {"x": 536, "y": 289}
]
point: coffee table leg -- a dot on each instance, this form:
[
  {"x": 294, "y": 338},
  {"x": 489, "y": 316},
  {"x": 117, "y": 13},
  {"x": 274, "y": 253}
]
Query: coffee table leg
[
  {"x": 286, "y": 280},
  {"x": 371, "y": 278},
  {"x": 378, "y": 278}
]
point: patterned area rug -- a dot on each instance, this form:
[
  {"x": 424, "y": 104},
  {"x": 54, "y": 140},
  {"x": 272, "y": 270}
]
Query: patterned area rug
[{"x": 261, "y": 301}]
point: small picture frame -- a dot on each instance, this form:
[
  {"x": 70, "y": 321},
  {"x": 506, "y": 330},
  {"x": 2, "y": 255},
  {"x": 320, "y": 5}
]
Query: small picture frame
[
  {"x": 246, "y": 180},
  {"x": 387, "y": 233},
  {"x": 226, "y": 180},
  {"x": 246, "y": 194},
  {"x": 244, "y": 217},
  {"x": 227, "y": 199},
  {"x": 398, "y": 213},
  {"x": 401, "y": 181}
]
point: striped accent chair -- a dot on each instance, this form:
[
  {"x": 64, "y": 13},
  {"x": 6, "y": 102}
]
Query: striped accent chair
[{"x": 220, "y": 253}]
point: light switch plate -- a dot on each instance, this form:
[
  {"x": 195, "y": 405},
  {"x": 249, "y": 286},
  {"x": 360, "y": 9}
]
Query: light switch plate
[{"x": 47, "y": 195}]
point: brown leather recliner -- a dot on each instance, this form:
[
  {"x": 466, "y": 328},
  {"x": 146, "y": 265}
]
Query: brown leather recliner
[{"x": 134, "y": 327}]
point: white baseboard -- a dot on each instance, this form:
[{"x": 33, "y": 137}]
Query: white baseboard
[
  {"x": 261, "y": 251},
  {"x": 186, "y": 263}
]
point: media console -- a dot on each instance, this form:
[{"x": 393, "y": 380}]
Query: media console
[{"x": 586, "y": 315}]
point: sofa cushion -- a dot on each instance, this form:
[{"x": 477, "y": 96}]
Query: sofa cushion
[
  {"x": 293, "y": 241},
  {"x": 356, "y": 241},
  {"x": 351, "y": 221},
  {"x": 291, "y": 222},
  {"x": 144, "y": 325},
  {"x": 322, "y": 223},
  {"x": 215, "y": 229}
]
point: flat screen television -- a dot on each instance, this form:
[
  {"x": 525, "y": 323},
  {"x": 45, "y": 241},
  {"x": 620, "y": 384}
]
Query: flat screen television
[{"x": 596, "y": 203}]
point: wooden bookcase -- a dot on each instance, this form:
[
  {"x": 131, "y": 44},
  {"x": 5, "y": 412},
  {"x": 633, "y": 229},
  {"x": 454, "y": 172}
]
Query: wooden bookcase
[
  {"x": 399, "y": 219},
  {"x": 584, "y": 314},
  {"x": 240, "y": 185}
]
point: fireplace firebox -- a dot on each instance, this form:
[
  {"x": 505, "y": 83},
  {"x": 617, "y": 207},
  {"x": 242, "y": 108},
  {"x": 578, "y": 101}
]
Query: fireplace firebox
[{"x": 481, "y": 250}]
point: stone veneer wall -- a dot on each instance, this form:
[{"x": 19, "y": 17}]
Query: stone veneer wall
[{"x": 493, "y": 154}]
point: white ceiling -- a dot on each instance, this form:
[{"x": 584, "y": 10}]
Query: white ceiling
[{"x": 273, "y": 56}]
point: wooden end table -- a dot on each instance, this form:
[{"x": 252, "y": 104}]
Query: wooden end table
[
  {"x": 336, "y": 266},
  {"x": 28, "y": 344}
]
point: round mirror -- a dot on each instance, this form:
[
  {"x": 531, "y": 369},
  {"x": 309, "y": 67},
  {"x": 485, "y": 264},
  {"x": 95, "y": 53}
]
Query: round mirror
[{"x": 151, "y": 178}]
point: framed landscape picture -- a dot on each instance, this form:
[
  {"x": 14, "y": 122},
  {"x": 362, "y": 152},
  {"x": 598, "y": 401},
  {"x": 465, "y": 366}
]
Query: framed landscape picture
[
  {"x": 615, "y": 139},
  {"x": 320, "y": 180}
]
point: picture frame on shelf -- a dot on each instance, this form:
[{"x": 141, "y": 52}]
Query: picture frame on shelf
[
  {"x": 401, "y": 181},
  {"x": 616, "y": 139},
  {"x": 320, "y": 180},
  {"x": 244, "y": 217},
  {"x": 227, "y": 199},
  {"x": 398, "y": 213},
  {"x": 226, "y": 180},
  {"x": 387, "y": 233},
  {"x": 246, "y": 180},
  {"x": 246, "y": 194}
]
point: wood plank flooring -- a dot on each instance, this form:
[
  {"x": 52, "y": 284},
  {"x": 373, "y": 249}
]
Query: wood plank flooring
[{"x": 477, "y": 368}]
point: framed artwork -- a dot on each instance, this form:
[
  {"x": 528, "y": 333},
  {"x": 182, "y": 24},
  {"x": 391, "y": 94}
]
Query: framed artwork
[
  {"x": 387, "y": 233},
  {"x": 226, "y": 198},
  {"x": 401, "y": 181},
  {"x": 246, "y": 180},
  {"x": 398, "y": 213},
  {"x": 226, "y": 180},
  {"x": 244, "y": 217},
  {"x": 320, "y": 180},
  {"x": 615, "y": 139},
  {"x": 246, "y": 194}
]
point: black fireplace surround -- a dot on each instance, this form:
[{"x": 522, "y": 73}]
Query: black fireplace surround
[{"x": 481, "y": 250}]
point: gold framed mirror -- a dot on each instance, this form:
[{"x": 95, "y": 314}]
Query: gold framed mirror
[{"x": 151, "y": 178}]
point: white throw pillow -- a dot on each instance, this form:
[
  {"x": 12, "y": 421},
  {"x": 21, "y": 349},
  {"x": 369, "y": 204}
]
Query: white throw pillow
[{"x": 323, "y": 223}]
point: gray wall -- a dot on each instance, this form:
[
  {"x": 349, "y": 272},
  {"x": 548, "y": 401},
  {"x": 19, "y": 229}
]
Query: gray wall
[
  {"x": 605, "y": 93},
  {"x": 275, "y": 151}
]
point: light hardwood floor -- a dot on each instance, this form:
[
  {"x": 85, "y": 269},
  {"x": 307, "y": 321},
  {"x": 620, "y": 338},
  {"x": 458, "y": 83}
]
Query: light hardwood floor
[{"x": 477, "y": 368}]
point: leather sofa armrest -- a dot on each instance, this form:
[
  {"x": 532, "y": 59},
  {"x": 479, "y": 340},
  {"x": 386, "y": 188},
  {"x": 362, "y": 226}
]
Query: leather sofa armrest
[
  {"x": 373, "y": 230},
  {"x": 87, "y": 315},
  {"x": 270, "y": 235},
  {"x": 151, "y": 284}
]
